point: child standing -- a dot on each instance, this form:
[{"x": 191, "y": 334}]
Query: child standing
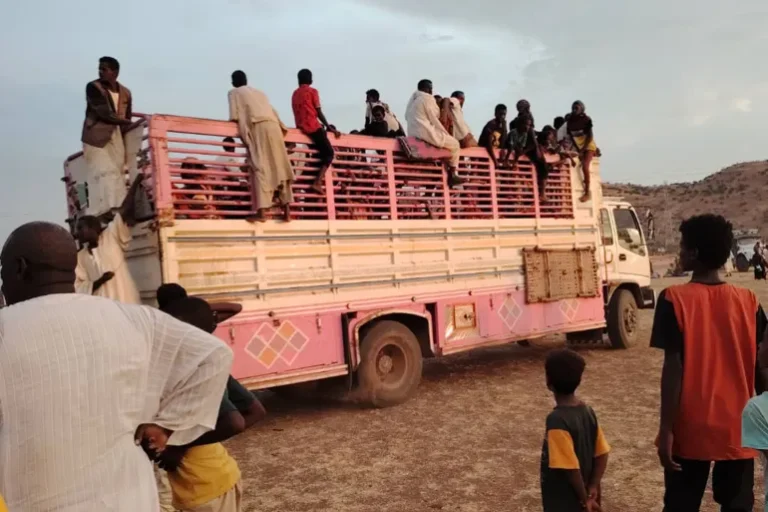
[
  {"x": 202, "y": 474},
  {"x": 575, "y": 453}
]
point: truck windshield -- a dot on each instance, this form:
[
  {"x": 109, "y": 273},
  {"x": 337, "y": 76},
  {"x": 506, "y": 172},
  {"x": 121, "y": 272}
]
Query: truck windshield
[{"x": 628, "y": 230}]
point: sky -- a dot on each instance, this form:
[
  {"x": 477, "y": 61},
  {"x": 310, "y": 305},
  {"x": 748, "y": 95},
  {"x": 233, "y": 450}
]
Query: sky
[{"x": 677, "y": 89}]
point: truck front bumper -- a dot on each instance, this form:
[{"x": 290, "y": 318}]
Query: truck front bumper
[{"x": 648, "y": 296}]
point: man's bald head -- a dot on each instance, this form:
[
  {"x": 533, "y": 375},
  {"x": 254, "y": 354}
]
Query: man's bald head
[{"x": 39, "y": 258}]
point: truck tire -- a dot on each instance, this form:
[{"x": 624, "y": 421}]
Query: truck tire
[
  {"x": 742, "y": 263},
  {"x": 390, "y": 364},
  {"x": 622, "y": 319}
]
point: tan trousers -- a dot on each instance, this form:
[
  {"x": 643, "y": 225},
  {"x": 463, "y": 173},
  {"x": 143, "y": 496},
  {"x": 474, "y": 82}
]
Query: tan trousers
[
  {"x": 229, "y": 502},
  {"x": 164, "y": 491}
]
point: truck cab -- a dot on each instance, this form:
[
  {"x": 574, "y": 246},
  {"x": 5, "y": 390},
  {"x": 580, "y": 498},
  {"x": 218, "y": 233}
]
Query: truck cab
[{"x": 626, "y": 270}]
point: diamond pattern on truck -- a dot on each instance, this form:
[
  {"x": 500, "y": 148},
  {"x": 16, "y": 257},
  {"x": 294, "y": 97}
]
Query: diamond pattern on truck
[
  {"x": 269, "y": 345},
  {"x": 510, "y": 312},
  {"x": 569, "y": 308}
]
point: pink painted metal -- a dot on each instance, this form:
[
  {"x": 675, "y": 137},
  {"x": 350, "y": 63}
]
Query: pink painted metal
[
  {"x": 371, "y": 179},
  {"x": 195, "y": 176}
]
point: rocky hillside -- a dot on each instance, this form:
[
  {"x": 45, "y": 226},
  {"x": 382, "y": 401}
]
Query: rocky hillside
[{"x": 737, "y": 192}]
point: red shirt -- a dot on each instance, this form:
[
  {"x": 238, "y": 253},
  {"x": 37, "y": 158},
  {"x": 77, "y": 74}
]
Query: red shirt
[
  {"x": 305, "y": 102},
  {"x": 716, "y": 329}
]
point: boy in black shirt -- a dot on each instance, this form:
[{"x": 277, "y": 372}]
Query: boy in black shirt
[{"x": 575, "y": 454}]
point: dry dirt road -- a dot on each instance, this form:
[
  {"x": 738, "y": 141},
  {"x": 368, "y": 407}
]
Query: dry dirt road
[{"x": 469, "y": 441}]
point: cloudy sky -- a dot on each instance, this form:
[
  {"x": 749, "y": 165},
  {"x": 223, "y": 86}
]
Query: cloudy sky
[{"x": 677, "y": 89}]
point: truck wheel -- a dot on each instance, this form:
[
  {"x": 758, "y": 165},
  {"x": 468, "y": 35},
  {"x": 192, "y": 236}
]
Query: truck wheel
[
  {"x": 622, "y": 319},
  {"x": 390, "y": 364},
  {"x": 742, "y": 263}
]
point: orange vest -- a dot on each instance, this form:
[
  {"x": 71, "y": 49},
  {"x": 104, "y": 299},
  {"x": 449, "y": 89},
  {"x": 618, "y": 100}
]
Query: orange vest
[{"x": 719, "y": 326}]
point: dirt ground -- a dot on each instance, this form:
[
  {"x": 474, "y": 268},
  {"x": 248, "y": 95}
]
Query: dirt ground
[{"x": 470, "y": 440}]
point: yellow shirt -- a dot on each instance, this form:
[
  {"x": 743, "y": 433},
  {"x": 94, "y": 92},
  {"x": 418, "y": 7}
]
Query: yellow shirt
[
  {"x": 3, "y": 508},
  {"x": 206, "y": 472}
]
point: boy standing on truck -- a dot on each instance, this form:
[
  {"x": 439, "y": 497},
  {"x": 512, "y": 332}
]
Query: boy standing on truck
[
  {"x": 203, "y": 476},
  {"x": 575, "y": 453},
  {"x": 309, "y": 116},
  {"x": 710, "y": 332}
]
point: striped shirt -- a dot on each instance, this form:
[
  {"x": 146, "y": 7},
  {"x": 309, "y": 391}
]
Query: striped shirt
[{"x": 78, "y": 374}]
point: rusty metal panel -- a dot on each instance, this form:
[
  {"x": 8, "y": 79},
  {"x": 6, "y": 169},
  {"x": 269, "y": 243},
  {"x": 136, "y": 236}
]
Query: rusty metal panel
[
  {"x": 460, "y": 322},
  {"x": 552, "y": 275}
]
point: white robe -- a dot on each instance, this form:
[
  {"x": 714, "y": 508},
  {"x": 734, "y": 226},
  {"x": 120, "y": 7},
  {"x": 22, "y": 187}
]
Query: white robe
[
  {"x": 109, "y": 256},
  {"x": 260, "y": 129},
  {"x": 79, "y": 375},
  {"x": 106, "y": 174},
  {"x": 460, "y": 127},
  {"x": 423, "y": 118}
]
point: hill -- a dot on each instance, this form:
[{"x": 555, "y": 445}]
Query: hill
[{"x": 735, "y": 192}]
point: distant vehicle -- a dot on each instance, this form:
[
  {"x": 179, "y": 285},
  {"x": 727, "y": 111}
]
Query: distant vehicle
[{"x": 743, "y": 247}]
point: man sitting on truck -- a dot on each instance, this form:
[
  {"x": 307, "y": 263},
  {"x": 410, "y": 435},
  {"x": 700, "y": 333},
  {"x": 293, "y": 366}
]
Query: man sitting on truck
[
  {"x": 372, "y": 100},
  {"x": 262, "y": 131},
  {"x": 494, "y": 134},
  {"x": 523, "y": 110},
  {"x": 423, "y": 118},
  {"x": 461, "y": 131},
  {"x": 101, "y": 266},
  {"x": 522, "y": 141},
  {"x": 379, "y": 127},
  {"x": 311, "y": 120}
]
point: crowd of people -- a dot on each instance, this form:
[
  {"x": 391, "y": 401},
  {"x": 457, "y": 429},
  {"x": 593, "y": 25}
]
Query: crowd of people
[
  {"x": 432, "y": 123},
  {"x": 121, "y": 391},
  {"x": 714, "y": 405},
  {"x": 106, "y": 404}
]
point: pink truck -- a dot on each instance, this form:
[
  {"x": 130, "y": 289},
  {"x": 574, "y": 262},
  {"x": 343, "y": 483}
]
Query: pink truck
[{"x": 389, "y": 266}]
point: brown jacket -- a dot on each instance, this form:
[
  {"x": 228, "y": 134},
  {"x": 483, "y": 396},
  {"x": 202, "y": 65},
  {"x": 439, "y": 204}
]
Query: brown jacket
[{"x": 102, "y": 116}]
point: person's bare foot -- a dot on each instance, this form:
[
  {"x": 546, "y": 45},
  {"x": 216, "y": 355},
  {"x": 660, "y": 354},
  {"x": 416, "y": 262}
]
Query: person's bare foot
[
  {"x": 544, "y": 198},
  {"x": 586, "y": 197},
  {"x": 259, "y": 216},
  {"x": 287, "y": 213},
  {"x": 317, "y": 187}
]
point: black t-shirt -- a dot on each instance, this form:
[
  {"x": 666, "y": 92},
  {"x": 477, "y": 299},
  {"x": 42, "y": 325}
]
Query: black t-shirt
[
  {"x": 572, "y": 441},
  {"x": 494, "y": 132}
]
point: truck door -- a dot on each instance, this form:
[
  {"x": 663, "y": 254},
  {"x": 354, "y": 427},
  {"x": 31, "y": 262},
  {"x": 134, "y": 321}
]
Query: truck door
[
  {"x": 631, "y": 253},
  {"x": 608, "y": 252}
]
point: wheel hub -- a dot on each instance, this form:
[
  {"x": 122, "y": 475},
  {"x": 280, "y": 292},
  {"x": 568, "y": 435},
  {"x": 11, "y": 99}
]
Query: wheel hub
[
  {"x": 385, "y": 364},
  {"x": 630, "y": 320}
]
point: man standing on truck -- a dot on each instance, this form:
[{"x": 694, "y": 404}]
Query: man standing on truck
[
  {"x": 710, "y": 332},
  {"x": 108, "y": 114},
  {"x": 422, "y": 116},
  {"x": 264, "y": 133},
  {"x": 101, "y": 266},
  {"x": 111, "y": 375},
  {"x": 311, "y": 120}
]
